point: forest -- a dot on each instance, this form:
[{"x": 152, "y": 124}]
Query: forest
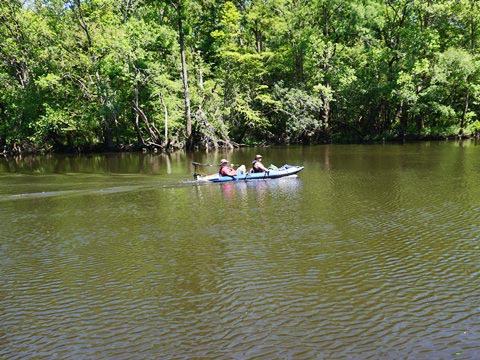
[{"x": 90, "y": 75}]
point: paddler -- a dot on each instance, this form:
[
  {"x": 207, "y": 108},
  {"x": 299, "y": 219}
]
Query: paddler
[
  {"x": 227, "y": 170},
  {"x": 257, "y": 166}
]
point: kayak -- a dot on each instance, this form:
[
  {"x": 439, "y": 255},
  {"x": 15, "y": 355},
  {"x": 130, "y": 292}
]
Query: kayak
[{"x": 285, "y": 170}]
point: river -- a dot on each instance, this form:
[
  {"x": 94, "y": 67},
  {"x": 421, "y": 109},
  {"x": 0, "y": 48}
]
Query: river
[{"x": 372, "y": 252}]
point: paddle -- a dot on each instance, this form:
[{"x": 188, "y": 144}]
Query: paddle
[
  {"x": 199, "y": 164},
  {"x": 196, "y": 164}
]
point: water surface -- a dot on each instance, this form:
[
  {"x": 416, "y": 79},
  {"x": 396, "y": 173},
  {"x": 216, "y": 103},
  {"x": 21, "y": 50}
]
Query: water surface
[{"x": 371, "y": 252}]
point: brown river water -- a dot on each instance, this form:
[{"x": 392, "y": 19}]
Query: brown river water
[{"x": 372, "y": 252}]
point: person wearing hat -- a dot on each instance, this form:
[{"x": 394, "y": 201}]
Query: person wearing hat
[
  {"x": 227, "y": 170},
  {"x": 257, "y": 165}
]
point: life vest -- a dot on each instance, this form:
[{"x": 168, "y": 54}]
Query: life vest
[{"x": 254, "y": 169}]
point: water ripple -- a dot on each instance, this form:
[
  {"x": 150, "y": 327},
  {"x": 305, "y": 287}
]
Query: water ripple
[{"x": 374, "y": 262}]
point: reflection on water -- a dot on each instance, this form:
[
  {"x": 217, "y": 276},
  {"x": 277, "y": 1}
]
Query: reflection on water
[
  {"x": 259, "y": 189},
  {"x": 371, "y": 252}
]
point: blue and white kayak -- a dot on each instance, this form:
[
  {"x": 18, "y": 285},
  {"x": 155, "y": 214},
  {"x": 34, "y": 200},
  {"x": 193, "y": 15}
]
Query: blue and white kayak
[{"x": 285, "y": 170}]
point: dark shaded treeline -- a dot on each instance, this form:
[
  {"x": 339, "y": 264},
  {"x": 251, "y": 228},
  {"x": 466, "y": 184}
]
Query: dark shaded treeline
[{"x": 92, "y": 74}]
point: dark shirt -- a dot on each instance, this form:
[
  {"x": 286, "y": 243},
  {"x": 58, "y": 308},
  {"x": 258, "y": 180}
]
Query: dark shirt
[{"x": 258, "y": 167}]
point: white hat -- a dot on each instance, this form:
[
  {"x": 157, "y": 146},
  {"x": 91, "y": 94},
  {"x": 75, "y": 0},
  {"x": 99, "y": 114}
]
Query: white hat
[{"x": 223, "y": 161}]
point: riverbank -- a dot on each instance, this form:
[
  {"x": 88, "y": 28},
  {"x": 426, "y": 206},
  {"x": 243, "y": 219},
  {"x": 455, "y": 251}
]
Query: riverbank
[{"x": 27, "y": 148}]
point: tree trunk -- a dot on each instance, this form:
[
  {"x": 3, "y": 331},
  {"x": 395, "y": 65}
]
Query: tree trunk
[
  {"x": 200, "y": 73},
  {"x": 186, "y": 95},
  {"x": 465, "y": 110},
  {"x": 137, "y": 115},
  {"x": 151, "y": 128},
  {"x": 107, "y": 134},
  {"x": 258, "y": 38},
  {"x": 472, "y": 26},
  {"x": 299, "y": 65},
  {"x": 403, "y": 119},
  {"x": 166, "y": 117},
  {"x": 23, "y": 75},
  {"x": 420, "y": 124},
  {"x": 325, "y": 113},
  {"x": 107, "y": 131},
  {"x": 16, "y": 31}
]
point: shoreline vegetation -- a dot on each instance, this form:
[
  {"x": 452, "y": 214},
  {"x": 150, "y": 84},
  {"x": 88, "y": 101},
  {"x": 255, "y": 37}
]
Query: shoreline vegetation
[
  {"x": 84, "y": 76},
  {"x": 29, "y": 149}
]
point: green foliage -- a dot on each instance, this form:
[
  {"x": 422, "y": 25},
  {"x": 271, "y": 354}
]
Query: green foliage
[
  {"x": 52, "y": 125},
  {"x": 297, "y": 114},
  {"x": 473, "y": 128},
  {"x": 77, "y": 73}
]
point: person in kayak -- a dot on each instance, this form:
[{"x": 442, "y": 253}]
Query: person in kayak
[
  {"x": 227, "y": 170},
  {"x": 257, "y": 166}
]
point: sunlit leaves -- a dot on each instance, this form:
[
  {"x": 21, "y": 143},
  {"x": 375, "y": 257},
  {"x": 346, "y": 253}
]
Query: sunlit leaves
[{"x": 265, "y": 70}]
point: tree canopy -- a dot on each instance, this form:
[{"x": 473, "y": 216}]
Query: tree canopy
[{"x": 202, "y": 73}]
